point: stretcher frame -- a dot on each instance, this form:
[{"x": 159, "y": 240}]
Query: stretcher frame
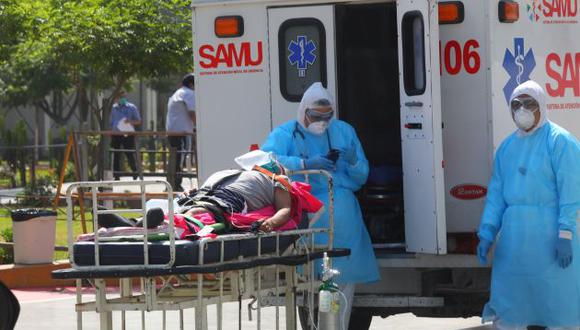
[{"x": 267, "y": 279}]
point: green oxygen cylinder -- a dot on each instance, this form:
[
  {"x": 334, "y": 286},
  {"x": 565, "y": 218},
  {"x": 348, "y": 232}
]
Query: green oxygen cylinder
[{"x": 328, "y": 298}]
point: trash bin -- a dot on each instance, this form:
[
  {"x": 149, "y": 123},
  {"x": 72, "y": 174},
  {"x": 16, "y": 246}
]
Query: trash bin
[{"x": 33, "y": 231}]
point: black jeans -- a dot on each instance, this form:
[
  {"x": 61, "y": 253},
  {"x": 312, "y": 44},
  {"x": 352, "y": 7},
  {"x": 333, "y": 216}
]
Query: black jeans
[
  {"x": 180, "y": 143},
  {"x": 123, "y": 142}
]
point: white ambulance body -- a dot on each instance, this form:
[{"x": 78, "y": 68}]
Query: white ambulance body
[{"x": 429, "y": 102}]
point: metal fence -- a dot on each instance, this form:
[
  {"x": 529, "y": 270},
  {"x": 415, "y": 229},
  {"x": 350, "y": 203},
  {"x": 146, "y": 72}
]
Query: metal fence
[{"x": 152, "y": 152}]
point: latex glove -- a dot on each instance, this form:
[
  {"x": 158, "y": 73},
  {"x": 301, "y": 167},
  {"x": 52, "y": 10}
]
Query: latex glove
[
  {"x": 350, "y": 155},
  {"x": 318, "y": 163},
  {"x": 564, "y": 252},
  {"x": 482, "y": 251}
]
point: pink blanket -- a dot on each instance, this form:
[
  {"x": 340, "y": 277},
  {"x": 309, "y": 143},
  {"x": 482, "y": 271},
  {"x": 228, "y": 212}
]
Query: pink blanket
[{"x": 302, "y": 201}]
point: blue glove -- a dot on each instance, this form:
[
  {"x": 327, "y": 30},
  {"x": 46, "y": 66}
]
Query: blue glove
[
  {"x": 564, "y": 252},
  {"x": 349, "y": 155},
  {"x": 482, "y": 251},
  {"x": 487, "y": 232},
  {"x": 318, "y": 163}
]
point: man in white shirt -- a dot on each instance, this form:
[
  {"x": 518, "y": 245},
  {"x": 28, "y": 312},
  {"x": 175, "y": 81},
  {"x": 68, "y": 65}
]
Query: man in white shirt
[{"x": 181, "y": 119}]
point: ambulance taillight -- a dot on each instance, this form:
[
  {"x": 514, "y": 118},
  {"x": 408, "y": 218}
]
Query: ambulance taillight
[
  {"x": 508, "y": 11},
  {"x": 229, "y": 26},
  {"x": 451, "y": 12}
]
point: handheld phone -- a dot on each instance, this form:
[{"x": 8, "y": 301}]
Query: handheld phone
[{"x": 333, "y": 155}]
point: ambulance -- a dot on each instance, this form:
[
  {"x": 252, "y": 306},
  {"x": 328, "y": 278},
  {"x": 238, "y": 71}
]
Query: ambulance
[{"x": 426, "y": 86}]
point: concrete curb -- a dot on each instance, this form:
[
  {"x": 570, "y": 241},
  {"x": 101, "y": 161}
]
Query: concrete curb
[{"x": 33, "y": 276}]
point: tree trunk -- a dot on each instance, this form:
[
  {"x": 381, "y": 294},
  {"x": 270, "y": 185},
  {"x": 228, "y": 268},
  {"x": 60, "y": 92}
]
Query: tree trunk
[
  {"x": 103, "y": 156},
  {"x": 22, "y": 168},
  {"x": 35, "y": 153},
  {"x": 83, "y": 101}
]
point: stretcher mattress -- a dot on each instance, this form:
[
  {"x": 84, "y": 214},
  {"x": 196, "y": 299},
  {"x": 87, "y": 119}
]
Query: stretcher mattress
[
  {"x": 186, "y": 252},
  {"x": 292, "y": 260}
]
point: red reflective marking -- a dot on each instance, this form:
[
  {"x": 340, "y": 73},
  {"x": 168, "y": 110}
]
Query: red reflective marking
[
  {"x": 457, "y": 57},
  {"x": 565, "y": 73},
  {"x": 468, "y": 191},
  {"x": 231, "y": 55}
]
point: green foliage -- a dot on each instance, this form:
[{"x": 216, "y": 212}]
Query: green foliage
[
  {"x": 7, "y": 235},
  {"x": 11, "y": 25},
  {"x": 61, "y": 46},
  {"x": 14, "y": 157},
  {"x": 6, "y": 255},
  {"x": 39, "y": 194},
  {"x": 6, "y": 172},
  {"x": 69, "y": 173},
  {"x": 59, "y": 55}
]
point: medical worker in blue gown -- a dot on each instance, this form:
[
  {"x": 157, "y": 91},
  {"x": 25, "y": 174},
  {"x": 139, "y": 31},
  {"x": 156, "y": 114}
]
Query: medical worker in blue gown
[
  {"x": 531, "y": 214},
  {"x": 305, "y": 143}
]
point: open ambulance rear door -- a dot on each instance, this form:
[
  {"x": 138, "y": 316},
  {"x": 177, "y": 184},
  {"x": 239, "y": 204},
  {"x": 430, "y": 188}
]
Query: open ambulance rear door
[{"x": 421, "y": 126}]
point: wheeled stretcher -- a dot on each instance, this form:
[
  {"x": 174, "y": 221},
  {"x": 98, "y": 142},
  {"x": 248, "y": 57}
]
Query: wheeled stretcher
[{"x": 182, "y": 274}]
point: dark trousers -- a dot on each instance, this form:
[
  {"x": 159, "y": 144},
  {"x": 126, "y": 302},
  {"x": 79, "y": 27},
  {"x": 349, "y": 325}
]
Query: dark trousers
[
  {"x": 180, "y": 143},
  {"x": 123, "y": 142}
]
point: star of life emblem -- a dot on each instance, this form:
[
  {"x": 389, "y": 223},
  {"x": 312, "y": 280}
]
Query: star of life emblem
[{"x": 302, "y": 54}]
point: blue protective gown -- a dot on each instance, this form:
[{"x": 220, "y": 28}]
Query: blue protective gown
[
  {"x": 534, "y": 193},
  {"x": 290, "y": 146}
]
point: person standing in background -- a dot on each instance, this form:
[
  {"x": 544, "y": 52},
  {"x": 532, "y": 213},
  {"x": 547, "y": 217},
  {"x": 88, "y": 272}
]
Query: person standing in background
[
  {"x": 124, "y": 117},
  {"x": 181, "y": 119}
]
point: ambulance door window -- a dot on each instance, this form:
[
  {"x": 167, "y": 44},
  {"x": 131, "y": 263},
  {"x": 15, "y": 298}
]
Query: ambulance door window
[
  {"x": 413, "y": 53},
  {"x": 302, "y": 51}
]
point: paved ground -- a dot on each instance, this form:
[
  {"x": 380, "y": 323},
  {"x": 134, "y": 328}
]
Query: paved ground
[{"x": 55, "y": 310}]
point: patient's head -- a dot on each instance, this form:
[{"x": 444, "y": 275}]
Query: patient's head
[
  {"x": 275, "y": 167},
  {"x": 266, "y": 160}
]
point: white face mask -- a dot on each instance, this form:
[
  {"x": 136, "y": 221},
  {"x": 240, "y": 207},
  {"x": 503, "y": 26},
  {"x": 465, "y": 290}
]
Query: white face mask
[
  {"x": 318, "y": 127},
  {"x": 524, "y": 118}
]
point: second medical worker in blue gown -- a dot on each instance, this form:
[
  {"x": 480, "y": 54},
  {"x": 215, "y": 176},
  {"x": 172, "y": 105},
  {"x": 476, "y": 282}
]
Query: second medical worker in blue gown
[
  {"x": 304, "y": 144},
  {"x": 531, "y": 213}
]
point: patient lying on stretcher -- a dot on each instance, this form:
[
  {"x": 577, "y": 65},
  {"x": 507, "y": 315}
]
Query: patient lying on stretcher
[{"x": 234, "y": 200}]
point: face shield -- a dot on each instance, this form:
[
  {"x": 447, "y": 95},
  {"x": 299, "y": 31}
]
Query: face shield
[
  {"x": 526, "y": 102},
  {"x": 315, "y": 115}
]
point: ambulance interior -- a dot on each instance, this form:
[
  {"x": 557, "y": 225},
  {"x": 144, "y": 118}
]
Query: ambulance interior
[{"x": 368, "y": 99}]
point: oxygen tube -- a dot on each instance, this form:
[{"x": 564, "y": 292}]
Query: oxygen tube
[{"x": 329, "y": 297}]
